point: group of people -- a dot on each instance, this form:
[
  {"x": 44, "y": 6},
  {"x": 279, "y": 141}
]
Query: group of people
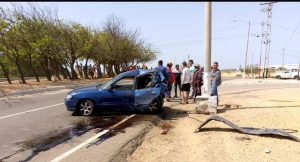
[
  {"x": 188, "y": 77},
  {"x": 134, "y": 68},
  {"x": 93, "y": 71}
]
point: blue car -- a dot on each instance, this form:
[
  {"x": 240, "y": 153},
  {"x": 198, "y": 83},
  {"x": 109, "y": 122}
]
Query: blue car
[{"x": 136, "y": 90}]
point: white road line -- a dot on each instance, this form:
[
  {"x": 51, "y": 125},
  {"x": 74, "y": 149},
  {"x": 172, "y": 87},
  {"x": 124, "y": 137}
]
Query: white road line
[
  {"x": 66, "y": 154},
  {"x": 46, "y": 107}
]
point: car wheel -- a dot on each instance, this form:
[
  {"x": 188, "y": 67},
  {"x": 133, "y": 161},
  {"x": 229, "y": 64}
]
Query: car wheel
[
  {"x": 296, "y": 77},
  {"x": 85, "y": 108},
  {"x": 161, "y": 102},
  {"x": 155, "y": 106},
  {"x": 278, "y": 77}
]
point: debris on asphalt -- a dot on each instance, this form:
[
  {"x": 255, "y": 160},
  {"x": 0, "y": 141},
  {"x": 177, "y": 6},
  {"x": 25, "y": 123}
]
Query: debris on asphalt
[{"x": 249, "y": 130}]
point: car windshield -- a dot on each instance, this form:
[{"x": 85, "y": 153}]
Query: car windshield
[{"x": 107, "y": 83}]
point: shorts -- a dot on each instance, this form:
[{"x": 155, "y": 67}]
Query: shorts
[{"x": 186, "y": 87}]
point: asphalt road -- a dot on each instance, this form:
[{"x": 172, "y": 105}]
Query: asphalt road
[{"x": 27, "y": 121}]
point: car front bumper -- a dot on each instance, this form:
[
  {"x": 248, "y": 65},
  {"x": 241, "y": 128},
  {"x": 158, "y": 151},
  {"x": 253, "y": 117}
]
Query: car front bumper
[{"x": 70, "y": 104}]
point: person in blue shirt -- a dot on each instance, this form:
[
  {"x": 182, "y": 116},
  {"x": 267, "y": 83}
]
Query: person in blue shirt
[
  {"x": 215, "y": 80},
  {"x": 163, "y": 70}
]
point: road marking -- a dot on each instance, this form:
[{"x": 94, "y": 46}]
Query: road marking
[
  {"x": 46, "y": 107},
  {"x": 66, "y": 154}
]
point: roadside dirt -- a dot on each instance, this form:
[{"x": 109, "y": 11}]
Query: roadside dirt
[
  {"x": 274, "y": 108},
  {"x": 32, "y": 84}
]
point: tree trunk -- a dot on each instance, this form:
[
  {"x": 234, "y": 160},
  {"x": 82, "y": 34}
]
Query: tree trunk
[
  {"x": 5, "y": 73},
  {"x": 117, "y": 69},
  {"x": 99, "y": 70},
  {"x": 44, "y": 65},
  {"x": 73, "y": 72},
  {"x": 63, "y": 72},
  {"x": 109, "y": 69},
  {"x": 67, "y": 72},
  {"x": 20, "y": 71},
  {"x": 33, "y": 70},
  {"x": 104, "y": 69},
  {"x": 56, "y": 69},
  {"x": 85, "y": 70}
]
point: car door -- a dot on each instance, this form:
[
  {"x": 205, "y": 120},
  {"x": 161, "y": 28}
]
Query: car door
[
  {"x": 119, "y": 96},
  {"x": 146, "y": 90}
]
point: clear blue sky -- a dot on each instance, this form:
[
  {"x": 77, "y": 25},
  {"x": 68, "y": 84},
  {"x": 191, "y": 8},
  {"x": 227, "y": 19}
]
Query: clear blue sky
[{"x": 176, "y": 28}]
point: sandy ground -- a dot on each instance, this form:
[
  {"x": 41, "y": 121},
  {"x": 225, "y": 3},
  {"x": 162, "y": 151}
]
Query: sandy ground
[
  {"x": 274, "y": 108},
  {"x": 32, "y": 84}
]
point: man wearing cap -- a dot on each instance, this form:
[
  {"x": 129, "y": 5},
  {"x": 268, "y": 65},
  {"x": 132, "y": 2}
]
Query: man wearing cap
[{"x": 215, "y": 80}]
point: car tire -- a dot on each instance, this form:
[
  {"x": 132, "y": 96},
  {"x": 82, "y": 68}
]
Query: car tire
[
  {"x": 278, "y": 77},
  {"x": 85, "y": 107},
  {"x": 296, "y": 77},
  {"x": 156, "y": 106}
]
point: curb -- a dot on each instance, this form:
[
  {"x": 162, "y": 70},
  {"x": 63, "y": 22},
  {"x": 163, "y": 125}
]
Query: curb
[{"x": 128, "y": 149}]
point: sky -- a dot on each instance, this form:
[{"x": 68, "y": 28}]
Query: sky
[{"x": 176, "y": 29}]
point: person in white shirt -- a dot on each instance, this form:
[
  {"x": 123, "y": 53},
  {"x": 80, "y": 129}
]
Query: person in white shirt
[{"x": 185, "y": 83}]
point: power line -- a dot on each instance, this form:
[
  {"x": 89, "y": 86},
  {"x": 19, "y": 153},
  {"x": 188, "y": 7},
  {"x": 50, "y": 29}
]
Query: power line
[
  {"x": 292, "y": 34},
  {"x": 199, "y": 40},
  {"x": 216, "y": 30}
]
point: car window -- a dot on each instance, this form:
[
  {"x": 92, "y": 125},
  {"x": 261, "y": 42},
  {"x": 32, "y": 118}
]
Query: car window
[
  {"x": 145, "y": 81},
  {"x": 124, "y": 84}
]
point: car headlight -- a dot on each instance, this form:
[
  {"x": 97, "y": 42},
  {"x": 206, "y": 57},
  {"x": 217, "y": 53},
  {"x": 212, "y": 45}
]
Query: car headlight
[{"x": 69, "y": 97}]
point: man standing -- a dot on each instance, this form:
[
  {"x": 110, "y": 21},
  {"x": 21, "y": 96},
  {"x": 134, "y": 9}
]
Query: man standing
[
  {"x": 170, "y": 80},
  {"x": 185, "y": 83},
  {"x": 192, "y": 69},
  {"x": 177, "y": 74},
  {"x": 197, "y": 80},
  {"x": 215, "y": 80},
  {"x": 163, "y": 70}
]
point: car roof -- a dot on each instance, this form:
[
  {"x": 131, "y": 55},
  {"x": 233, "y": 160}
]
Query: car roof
[{"x": 135, "y": 72}]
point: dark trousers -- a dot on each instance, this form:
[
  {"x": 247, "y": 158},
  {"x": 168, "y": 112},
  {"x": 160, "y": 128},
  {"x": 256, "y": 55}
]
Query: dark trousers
[{"x": 177, "y": 84}]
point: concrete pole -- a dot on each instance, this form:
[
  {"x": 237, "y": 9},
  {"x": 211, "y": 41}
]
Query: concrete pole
[
  {"x": 252, "y": 64},
  {"x": 262, "y": 36},
  {"x": 246, "y": 52},
  {"x": 207, "y": 49},
  {"x": 282, "y": 57},
  {"x": 299, "y": 71}
]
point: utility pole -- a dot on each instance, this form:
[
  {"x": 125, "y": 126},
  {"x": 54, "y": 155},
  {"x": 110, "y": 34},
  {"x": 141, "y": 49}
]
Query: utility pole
[
  {"x": 268, "y": 38},
  {"x": 207, "y": 49},
  {"x": 252, "y": 65},
  {"x": 282, "y": 57},
  {"x": 298, "y": 71},
  {"x": 246, "y": 52},
  {"x": 261, "y": 49}
]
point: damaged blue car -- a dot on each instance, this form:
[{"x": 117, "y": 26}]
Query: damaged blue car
[{"x": 137, "y": 91}]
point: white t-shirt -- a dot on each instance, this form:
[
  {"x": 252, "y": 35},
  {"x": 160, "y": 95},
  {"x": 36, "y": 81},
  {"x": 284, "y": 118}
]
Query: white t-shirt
[{"x": 186, "y": 76}]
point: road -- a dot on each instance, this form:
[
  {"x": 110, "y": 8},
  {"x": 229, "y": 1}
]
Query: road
[
  {"x": 35, "y": 121},
  {"x": 35, "y": 118}
]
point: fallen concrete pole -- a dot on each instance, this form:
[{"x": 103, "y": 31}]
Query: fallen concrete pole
[{"x": 248, "y": 130}]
